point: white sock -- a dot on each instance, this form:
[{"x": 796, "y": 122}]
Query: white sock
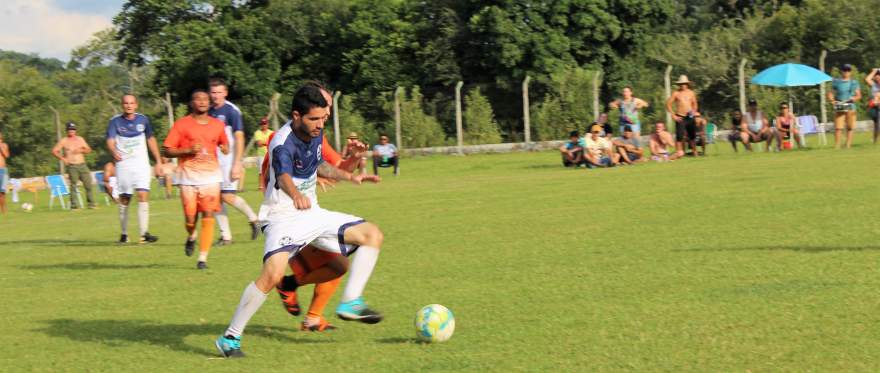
[
  {"x": 223, "y": 223},
  {"x": 242, "y": 206},
  {"x": 361, "y": 268},
  {"x": 250, "y": 302},
  {"x": 123, "y": 218},
  {"x": 144, "y": 216},
  {"x": 203, "y": 256}
]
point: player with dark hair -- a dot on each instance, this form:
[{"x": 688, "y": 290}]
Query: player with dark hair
[
  {"x": 195, "y": 140},
  {"x": 292, "y": 219}
]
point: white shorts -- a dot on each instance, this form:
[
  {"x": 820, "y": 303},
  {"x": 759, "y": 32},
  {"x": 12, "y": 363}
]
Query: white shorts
[
  {"x": 130, "y": 180},
  {"x": 228, "y": 185},
  {"x": 321, "y": 228}
]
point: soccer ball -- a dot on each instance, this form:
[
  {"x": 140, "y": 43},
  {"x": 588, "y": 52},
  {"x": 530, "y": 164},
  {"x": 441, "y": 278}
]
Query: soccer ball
[
  {"x": 434, "y": 323},
  {"x": 27, "y": 207}
]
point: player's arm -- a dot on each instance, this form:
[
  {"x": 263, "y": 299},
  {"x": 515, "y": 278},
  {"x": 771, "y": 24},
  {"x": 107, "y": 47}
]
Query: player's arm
[
  {"x": 154, "y": 149},
  {"x": 669, "y": 104},
  {"x": 4, "y": 150},
  {"x": 330, "y": 172},
  {"x": 641, "y": 104},
  {"x": 695, "y": 107},
  {"x": 239, "y": 150},
  {"x": 858, "y": 96},
  {"x": 870, "y": 78}
]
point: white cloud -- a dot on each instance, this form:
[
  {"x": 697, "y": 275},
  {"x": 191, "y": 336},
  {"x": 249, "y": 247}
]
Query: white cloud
[{"x": 40, "y": 26}]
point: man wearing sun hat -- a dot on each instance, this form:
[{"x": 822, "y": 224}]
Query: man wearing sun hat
[
  {"x": 844, "y": 94},
  {"x": 684, "y": 114}
]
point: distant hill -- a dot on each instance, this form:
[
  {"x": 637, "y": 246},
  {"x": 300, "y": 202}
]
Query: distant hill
[{"x": 44, "y": 65}]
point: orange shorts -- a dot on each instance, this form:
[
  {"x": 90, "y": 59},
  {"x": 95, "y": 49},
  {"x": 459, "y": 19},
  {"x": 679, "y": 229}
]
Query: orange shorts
[
  {"x": 200, "y": 198},
  {"x": 309, "y": 259}
]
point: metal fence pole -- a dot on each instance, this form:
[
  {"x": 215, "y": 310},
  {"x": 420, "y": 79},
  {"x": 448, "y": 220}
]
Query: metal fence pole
[
  {"x": 336, "y": 118},
  {"x": 458, "y": 125},
  {"x": 527, "y": 130},
  {"x": 596, "y": 95},
  {"x": 397, "y": 93},
  {"x": 822, "y": 108},
  {"x": 58, "y": 135},
  {"x": 742, "y": 85},
  {"x": 667, "y": 84}
]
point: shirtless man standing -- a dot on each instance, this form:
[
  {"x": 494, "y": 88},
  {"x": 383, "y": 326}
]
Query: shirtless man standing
[
  {"x": 684, "y": 114},
  {"x": 4, "y": 173},
  {"x": 74, "y": 150}
]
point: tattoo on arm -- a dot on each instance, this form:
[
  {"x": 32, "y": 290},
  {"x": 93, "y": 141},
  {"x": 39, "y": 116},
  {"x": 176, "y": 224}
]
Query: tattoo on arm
[{"x": 330, "y": 172}]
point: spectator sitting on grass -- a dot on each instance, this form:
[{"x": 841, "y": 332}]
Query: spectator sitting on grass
[
  {"x": 754, "y": 127},
  {"x": 597, "y": 149},
  {"x": 660, "y": 142},
  {"x": 384, "y": 155},
  {"x": 628, "y": 147},
  {"x": 573, "y": 150},
  {"x": 736, "y": 118}
]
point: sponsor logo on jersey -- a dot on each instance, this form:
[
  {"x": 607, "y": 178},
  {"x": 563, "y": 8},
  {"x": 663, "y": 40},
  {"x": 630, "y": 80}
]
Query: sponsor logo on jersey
[{"x": 140, "y": 127}]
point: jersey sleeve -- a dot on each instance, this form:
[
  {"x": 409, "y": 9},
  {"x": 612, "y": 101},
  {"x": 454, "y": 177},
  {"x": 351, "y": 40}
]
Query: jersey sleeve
[
  {"x": 111, "y": 129},
  {"x": 282, "y": 161},
  {"x": 173, "y": 139},
  {"x": 236, "y": 122},
  {"x": 329, "y": 154},
  {"x": 148, "y": 127}
]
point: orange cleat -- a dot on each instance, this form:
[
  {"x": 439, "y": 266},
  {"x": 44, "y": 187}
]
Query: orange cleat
[{"x": 288, "y": 298}]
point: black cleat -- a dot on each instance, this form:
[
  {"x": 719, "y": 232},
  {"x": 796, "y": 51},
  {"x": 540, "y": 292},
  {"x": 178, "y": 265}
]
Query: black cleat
[
  {"x": 123, "y": 238},
  {"x": 189, "y": 247},
  {"x": 202, "y": 265},
  {"x": 222, "y": 242},
  {"x": 148, "y": 238},
  {"x": 255, "y": 230}
]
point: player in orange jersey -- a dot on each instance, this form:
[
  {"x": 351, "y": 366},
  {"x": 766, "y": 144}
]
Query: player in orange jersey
[{"x": 194, "y": 140}]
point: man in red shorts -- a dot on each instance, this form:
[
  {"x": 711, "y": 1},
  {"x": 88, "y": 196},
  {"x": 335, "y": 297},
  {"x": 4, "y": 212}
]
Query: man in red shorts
[{"x": 194, "y": 139}]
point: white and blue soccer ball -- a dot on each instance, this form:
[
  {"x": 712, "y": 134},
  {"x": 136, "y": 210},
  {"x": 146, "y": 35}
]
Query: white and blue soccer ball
[
  {"x": 434, "y": 323},
  {"x": 27, "y": 207}
]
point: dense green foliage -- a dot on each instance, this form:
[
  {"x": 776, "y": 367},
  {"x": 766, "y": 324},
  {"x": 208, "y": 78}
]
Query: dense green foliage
[
  {"x": 682, "y": 266},
  {"x": 368, "y": 48}
]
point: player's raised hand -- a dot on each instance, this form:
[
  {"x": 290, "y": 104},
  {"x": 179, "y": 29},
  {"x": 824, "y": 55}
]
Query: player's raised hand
[
  {"x": 301, "y": 202},
  {"x": 360, "y": 179}
]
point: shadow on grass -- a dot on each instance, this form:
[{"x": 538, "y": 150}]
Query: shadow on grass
[
  {"x": 399, "y": 340},
  {"x": 799, "y": 248},
  {"x": 548, "y": 166},
  {"x": 89, "y": 266},
  {"x": 118, "y": 333},
  {"x": 56, "y": 243}
]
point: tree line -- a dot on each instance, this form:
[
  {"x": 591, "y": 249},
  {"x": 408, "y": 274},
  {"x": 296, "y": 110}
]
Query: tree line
[{"x": 368, "y": 48}]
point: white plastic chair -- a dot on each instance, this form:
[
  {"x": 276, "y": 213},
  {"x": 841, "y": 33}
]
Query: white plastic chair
[{"x": 808, "y": 124}]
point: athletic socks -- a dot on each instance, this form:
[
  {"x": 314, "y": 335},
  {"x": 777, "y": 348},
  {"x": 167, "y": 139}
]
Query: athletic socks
[
  {"x": 240, "y": 204},
  {"x": 205, "y": 238},
  {"x": 123, "y": 218},
  {"x": 143, "y": 216},
  {"x": 361, "y": 268},
  {"x": 223, "y": 223},
  {"x": 251, "y": 300},
  {"x": 323, "y": 292}
]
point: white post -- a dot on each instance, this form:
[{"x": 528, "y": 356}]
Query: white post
[
  {"x": 596, "y": 95},
  {"x": 742, "y": 85},
  {"x": 336, "y": 118},
  {"x": 667, "y": 83},
  {"x": 458, "y": 129},
  {"x": 169, "y": 109},
  {"x": 273, "y": 111},
  {"x": 822, "y": 108},
  {"x": 397, "y": 93},
  {"x": 58, "y": 135},
  {"x": 527, "y": 130}
]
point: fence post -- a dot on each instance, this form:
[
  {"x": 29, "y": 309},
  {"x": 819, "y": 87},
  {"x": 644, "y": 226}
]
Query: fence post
[
  {"x": 667, "y": 84},
  {"x": 58, "y": 134},
  {"x": 822, "y": 108},
  {"x": 742, "y": 85},
  {"x": 336, "y": 118},
  {"x": 458, "y": 126},
  {"x": 169, "y": 109},
  {"x": 596, "y": 95},
  {"x": 527, "y": 130},
  {"x": 397, "y": 93},
  {"x": 273, "y": 110}
]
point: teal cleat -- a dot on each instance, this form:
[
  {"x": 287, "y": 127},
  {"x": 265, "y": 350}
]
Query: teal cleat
[
  {"x": 357, "y": 310},
  {"x": 229, "y": 346}
]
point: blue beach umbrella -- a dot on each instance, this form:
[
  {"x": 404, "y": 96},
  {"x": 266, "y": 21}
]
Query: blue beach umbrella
[{"x": 790, "y": 75}]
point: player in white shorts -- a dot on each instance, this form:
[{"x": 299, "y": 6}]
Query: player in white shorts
[
  {"x": 292, "y": 219},
  {"x": 230, "y": 164},
  {"x": 129, "y": 135}
]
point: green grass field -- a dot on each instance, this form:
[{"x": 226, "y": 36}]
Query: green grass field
[{"x": 750, "y": 262}]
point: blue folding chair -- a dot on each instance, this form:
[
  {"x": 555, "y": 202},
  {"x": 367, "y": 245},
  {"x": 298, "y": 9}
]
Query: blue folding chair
[
  {"x": 58, "y": 188},
  {"x": 99, "y": 181}
]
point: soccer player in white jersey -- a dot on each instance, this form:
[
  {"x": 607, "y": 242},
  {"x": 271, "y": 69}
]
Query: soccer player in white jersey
[
  {"x": 292, "y": 219},
  {"x": 129, "y": 135},
  {"x": 230, "y": 163}
]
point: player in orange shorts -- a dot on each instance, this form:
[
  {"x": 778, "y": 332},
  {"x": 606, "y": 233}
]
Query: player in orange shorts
[
  {"x": 194, "y": 139},
  {"x": 311, "y": 265}
]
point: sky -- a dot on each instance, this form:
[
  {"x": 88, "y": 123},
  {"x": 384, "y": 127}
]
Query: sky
[{"x": 52, "y": 28}]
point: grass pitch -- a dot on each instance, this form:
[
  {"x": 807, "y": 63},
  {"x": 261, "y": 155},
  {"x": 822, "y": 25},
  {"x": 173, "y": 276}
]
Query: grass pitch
[{"x": 760, "y": 262}]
